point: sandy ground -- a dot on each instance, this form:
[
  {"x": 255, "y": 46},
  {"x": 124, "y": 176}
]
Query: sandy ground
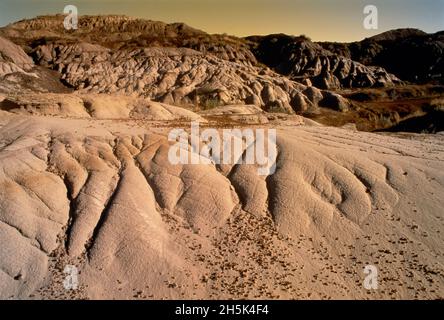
[{"x": 100, "y": 194}]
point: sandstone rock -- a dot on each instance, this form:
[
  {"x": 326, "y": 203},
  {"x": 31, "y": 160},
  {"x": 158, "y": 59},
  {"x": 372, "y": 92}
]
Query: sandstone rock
[
  {"x": 10, "y": 52},
  {"x": 117, "y": 31},
  {"x": 299, "y": 103},
  {"x": 309, "y": 63},
  {"x": 116, "y": 208},
  {"x": 334, "y": 101},
  {"x": 173, "y": 76},
  {"x": 313, "y": 94},
  {"x": 397, "y": 51},
  {"x": 95, "y": 106},
  {"x": 13, "y": 59}
]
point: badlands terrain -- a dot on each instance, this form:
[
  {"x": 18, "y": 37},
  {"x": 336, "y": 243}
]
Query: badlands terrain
[{"x": 85, "y": 179}]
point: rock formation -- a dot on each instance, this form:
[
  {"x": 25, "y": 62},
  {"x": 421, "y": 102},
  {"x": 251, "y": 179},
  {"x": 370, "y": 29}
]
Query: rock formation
[
  {"x": 410, "y": 54},
  {"x": 304, "y": 61},
  {"x": 87, "y": 185}
]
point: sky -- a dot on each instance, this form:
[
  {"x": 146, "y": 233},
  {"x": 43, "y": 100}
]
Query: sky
[{"x": 321, "y": 20}]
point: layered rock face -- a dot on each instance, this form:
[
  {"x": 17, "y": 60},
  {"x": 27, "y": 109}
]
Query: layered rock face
[
  {"x": 410, "y": 54},
  {"x": 170, "y": 63},
  {"x": 303, "y": 61},
  {"x": 118, "y": 32},
  {"x": 18, "y": 72},
  {"x": 176, "y": 76},
  {"x": 298, "y": 58},
  {"x": 13, "y": 58}
]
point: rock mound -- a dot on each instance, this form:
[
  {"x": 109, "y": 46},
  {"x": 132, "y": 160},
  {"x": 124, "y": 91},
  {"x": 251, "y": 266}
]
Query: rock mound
[
  {"x": 137, "y": 226},
  {"x": 13, "y": 58},
  {"x": 178, "y": 76},
  {"x": 410, "y": 54},
  {"x": 305, "y": 61},
  {"x": 94, "y": 106},
  {"x": 118, "y": 32}
]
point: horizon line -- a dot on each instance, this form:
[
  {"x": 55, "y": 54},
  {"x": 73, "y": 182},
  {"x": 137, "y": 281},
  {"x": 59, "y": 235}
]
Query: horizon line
[{"x": 242, "y": 36}]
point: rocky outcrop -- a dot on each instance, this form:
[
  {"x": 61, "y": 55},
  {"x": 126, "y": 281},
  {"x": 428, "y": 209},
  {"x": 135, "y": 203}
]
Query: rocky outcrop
[
  {"x": 169, "y": 63},
  {"x": 122, "y": 32},
  {"x": 18, "y": 73},
  {"x": 94, "y": 106},
  {"x": 296, "y": 57},
  {"x": 96, "y": 27},
  {"x": 307, "y": 62},
  {"x": 175, "y": 76},
  {"x": 410, "y": 54},
  {"x": 13, "y": 58},
  {"x": 335, "y": 101}
]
